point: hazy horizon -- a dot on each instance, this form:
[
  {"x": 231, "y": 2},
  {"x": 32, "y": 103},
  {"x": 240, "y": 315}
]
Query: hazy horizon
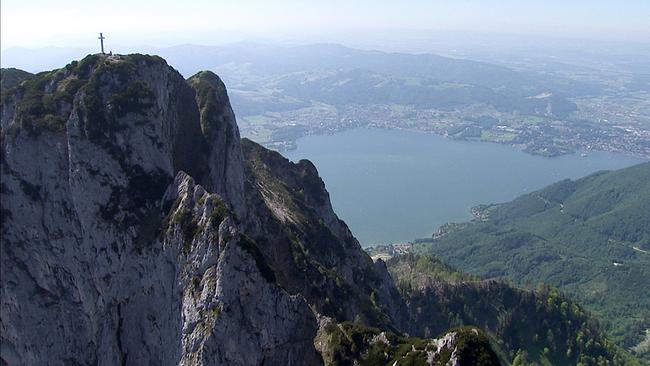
[{"x": 75, "y": 23}]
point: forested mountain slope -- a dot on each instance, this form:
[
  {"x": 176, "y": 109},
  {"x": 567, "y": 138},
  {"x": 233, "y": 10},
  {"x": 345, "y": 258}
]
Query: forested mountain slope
[
  {"x": 590, "y": 238},
  {"x": 539, "y": 326}
]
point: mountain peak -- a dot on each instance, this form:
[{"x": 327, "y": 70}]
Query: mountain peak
[
  {"x": 151, "y": 234},
  {"x": 138, "y": 228}
]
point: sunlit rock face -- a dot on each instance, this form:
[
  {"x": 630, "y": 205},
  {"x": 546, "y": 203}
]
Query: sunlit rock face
[{"x": 137, "y": 228}]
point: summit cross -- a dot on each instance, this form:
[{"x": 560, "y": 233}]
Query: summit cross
[{"x": 101, "y": 39}]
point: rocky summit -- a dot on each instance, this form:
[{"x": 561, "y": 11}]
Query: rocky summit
[{"x": 138, "y": 228}]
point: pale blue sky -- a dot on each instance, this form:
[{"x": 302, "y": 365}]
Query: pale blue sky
[{"x": 36, "y": 23}]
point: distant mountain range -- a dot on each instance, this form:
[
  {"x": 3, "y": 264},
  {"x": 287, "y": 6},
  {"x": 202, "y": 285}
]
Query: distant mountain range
[
  {"x": 339, "y": 75},
  {"x": 336, "y": 74},
  {"x": 282, "y": 93}
]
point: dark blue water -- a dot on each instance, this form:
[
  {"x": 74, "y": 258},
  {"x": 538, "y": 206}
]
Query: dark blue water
[{"x": 394, "y": 186}]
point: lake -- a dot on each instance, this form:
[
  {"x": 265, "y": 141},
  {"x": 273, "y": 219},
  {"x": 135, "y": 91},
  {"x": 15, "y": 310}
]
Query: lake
[{"x": 395, "y": 186}]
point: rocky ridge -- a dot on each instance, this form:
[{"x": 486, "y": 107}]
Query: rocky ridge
[{"x": 137, "y": 228}]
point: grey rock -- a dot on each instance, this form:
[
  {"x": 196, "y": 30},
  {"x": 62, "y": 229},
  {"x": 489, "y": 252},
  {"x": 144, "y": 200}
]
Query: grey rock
[
  {"x": 108, "y": 259},
  {"x": 137, "y": 228}
]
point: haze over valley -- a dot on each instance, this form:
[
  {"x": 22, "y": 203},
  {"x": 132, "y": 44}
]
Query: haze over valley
[{"x": 281, "y": 93}]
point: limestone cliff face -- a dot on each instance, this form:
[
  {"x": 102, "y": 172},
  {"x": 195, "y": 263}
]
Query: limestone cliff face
[
  {"x": 233, "y": 312},
  {"x": 313, "y": 251},
  {"x": 111, "y": 253},
  {"x": 137, "y": 230},
  {"x": 224, "y": 160}
]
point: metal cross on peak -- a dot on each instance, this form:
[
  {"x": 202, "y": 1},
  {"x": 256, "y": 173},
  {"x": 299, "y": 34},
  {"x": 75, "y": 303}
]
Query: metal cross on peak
[{"x": 101, "y": 39}]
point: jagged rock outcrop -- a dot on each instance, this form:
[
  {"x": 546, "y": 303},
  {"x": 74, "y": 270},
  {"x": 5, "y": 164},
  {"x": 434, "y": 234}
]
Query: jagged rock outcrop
[
  {"x": 136, "y": 230},
  {"x": 233, "y": 313},
  {"x": 92, "y": 255},
  {"x": 313, "y": 251},
  {"x": 352, "y": 343},
  {"x": 223, "y": 153}
]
